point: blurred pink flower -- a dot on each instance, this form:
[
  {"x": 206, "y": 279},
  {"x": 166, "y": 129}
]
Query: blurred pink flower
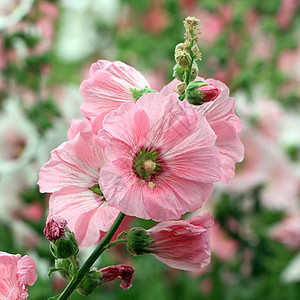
[
  {"x": 16, "y": 273},
  {"x": 72, "y": 175},
  {"x": 119, "y": 271},
  {"x": 156, "y": 18},
  {"x": 33, "y": 212},
  {"x": 108, "y": 87},
  {"x": 163, "y": 158},
  {"x": 286, "y": 13},
  {"x": 182, "y": 244},
  {"x": 287, "y": 231},
  {"x": 226, "y": 125},
  {"x": 222, "y": 246}
]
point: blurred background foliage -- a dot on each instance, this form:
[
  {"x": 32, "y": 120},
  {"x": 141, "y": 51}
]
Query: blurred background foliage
[{"x": 46, "y": 48}]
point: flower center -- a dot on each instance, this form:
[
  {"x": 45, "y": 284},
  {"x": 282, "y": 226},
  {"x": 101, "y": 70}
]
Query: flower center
[{"x": 146, "y": 164}]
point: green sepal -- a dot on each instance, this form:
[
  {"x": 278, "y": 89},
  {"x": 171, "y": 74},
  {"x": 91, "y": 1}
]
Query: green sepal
[
  {"x": 138, "y": 241},
  {"x": 96, "y": 189},
  {"x": 137, "y": 94},
  {"x": 178, "y": 72},
  {"x": 193, "y": 95}
]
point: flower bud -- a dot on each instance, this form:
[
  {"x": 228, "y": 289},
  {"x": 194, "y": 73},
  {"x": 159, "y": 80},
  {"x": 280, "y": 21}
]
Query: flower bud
[
  {"x": 138, "y": 240},
  {"x": 55, "y": 228},
  {"x": 178, "y": 72},
  {"x": 183, "y": 59},
  {"x": 89, "y": 283},
  {"x": 65, "y": 247},
  {"x": 180, "y": 87},
  {"x": 63, "y": 264},
  {"x": 198, "y": 92},
  {"x": 194, "y": 71}
]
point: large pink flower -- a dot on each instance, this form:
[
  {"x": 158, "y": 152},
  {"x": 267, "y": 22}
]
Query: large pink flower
[
  {"x": 72, "y": 176},
  {"x": 163, "y": 158},
  {"x": 182, "y": 244},
  {"x": 108, "y": 87},
  {"x": 16, "y": 273},
  {"x": 226, "y": 125}
]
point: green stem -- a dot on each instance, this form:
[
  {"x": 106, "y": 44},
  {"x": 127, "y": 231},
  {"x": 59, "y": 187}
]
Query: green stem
[
  {"x": 91, "y": 260},
  {"x": 110, "y": 245},
  {"x": 74, "y": 267}
]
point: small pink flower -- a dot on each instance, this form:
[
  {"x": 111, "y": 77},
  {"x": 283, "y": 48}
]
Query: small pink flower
[
  {"x": 122, "y": 271},
  {"x": 182, "y": 244},
  {"x": 163, "y": 158},
  {"x": 108, "y": 87},
  {"x": 225, "y": 124},
  {"x": 16, "y": 273},
  {"x": 55, "y": 228},
  {"x": 72, "y": 176}
]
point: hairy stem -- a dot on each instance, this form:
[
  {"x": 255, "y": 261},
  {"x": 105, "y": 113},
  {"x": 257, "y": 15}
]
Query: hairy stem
[{"x": 91, "y": 260}]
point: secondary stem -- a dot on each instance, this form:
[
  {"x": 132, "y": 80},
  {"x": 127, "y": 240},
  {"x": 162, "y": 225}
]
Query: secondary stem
[{"x": 91, "y": 260}]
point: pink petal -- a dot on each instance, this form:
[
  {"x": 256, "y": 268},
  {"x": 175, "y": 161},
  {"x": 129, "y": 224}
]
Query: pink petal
[
  {"x": 127, "y": 127},
  {"x": 171, "y": 123},
  {"x": 76, "y": 162},
  {"x": 26, "y": 271},
  {"x": 85, "y": 213},
  {"x": 103, "y": 93},
  {"x": 77, "y": 126}
]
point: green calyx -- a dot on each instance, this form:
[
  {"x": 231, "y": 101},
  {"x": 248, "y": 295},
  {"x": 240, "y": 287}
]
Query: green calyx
[
  {"x": 193, "y": 95},
  {"x": 65, "y": 247},
  {"x": 137, "y": 94},
  {"x": 89, "y": 283},
  {"x": 138, "y": 241},
  {"x": 146, "y": 164}
]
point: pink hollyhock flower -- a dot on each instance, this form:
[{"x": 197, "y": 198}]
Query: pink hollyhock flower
[
  {"x": 287, "y": 231},
  {"x": 16, "y": 273},
  {"x": 108, "y": 87},
  {"x": 72, "y": 176},
  {"x": 180, "y": 244},
  {"x": 226, "y": 125},
  {"x": 119, "y": 271},
  {"x": 163, "y": 158}
]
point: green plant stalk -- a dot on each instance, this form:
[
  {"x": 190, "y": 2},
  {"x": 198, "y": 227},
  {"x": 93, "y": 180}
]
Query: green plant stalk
[
  {"x": 189, "y": 71},
  {"x": 91, "y": 260}
]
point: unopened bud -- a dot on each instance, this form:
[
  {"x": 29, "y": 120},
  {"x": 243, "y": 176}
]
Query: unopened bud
[
  {"x": 178, "y": 72},
  {"x": 194, "y": 71},
  {"x": 198, "y": 92},
  {"x": 65, "y": 247},
  {"x": 89, "y": 283},
  {"x": 183, "y": 59},
  {"x": 138, "y": 240},
  {"x": 180, "y": 47},
  {"x": 180, "y": 87}
]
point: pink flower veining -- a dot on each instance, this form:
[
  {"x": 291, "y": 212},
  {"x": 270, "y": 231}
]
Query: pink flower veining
[
  {"x": 182, "y": 244},
  {"x": 163, "y": 158},
  {"x": 16, "y": 273}
]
